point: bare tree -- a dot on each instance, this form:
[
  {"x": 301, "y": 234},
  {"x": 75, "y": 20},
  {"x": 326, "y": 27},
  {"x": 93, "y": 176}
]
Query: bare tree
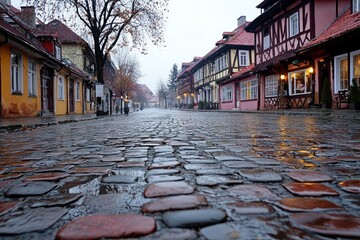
[
  {"x": 127, "y": 74},
  {"x": 110, "y": 22},
  {"x": 163, "y": 92}
]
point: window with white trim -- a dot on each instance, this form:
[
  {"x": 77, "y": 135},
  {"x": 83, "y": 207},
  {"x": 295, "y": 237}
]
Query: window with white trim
[
  {"x": 299, "y": 82},
  {"x": 16, "y": 73},
  {"x": 271, "y": 85},
  {"x": 31, "y": 78},
  {"x": 221, "y": 63},
  {"x": 266, "y": 39},
  {"x": 293, "y": 24},
  {"x": 58, "y": 52},
  {"x": 355, "y": 66},
  {"x": 226, "y": 93},
  {"x": 77, "y": 91},
  {"x": 356, "y": 6},
  {"x": 249, "y": 89},
  {"x": 341, "y": 73},
  {"x": 61, "y": 88},
  {"x": 244, "y": 58}
]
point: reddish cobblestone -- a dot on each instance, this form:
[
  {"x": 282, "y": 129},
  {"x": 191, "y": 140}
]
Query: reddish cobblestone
[
  {"x": 47, "y": 177},
  {"x": 309, "y": 176},
  {"x": 310, "y": 189},
  {"x": 335, "y": 225},
  {"x": 352, "y": 186},
  {"x": 174, "y": 203},
  {"x": 307, "y": 204},
  {"x": 167, "y": 188},
  {"x": 107, "y": 226}
]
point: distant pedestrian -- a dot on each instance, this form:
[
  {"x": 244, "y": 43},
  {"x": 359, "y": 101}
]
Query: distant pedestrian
[{"x": 126, "y": 110}]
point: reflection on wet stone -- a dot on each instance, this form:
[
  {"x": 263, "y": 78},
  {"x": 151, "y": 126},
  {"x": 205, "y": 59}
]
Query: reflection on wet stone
[{"x": 29, "y": 189}]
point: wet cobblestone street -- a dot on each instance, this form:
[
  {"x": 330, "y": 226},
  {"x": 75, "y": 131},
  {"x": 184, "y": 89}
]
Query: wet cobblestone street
[{"x": 168, "y": 174}]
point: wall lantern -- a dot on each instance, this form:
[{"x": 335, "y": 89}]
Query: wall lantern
[
  {"x": 311, "y": 70},
  {"x": 282, "y": 77}
]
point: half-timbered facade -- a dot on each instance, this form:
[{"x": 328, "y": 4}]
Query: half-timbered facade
[
  {"x": 287, "y": 79},
  {"x": 185, "y": 90},
  {"x": 235, "y": 51}
]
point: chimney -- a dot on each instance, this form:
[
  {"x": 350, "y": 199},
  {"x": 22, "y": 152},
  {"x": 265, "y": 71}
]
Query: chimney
[
  {"x": 241, "y": 21},
  {"x": 28, "y": 15}
]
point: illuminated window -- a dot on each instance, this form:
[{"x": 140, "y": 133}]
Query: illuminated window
[
  {"x": 355, "y": 66},
  {"x": 299, "y": 82},
  {"x": 341, "y": 73}
]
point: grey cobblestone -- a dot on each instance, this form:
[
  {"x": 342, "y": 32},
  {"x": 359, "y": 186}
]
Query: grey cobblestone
[{"x": 259, "y": 171}]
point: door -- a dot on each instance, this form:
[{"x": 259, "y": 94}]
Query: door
[
  {"x": 237, "y": 95},
  {"x": 47, "y": 95},
  {"x": 324, "y": 73}
]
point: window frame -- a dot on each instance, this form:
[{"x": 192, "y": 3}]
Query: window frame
[
  {"x": 32, "y": 86},
  {"x": 291, "y": 22},
  {"x": 266, "y": 38},
  {"x": 271, "y": 85},
  {"x": 293, "y": 89},
  {"x": 355, "y": 6},
  {"x": 226, "y": 93},
  {"x": 88, "y": 94},
  {"x": 16, "y": 84},
  {"x": 337, "y": 73},
  {"x": 77, "y": 87},
  {"x": 241, "y": 58},
  {"x": 61, "y": 88},
  {"x": 249, "y": 90},
  {"x": 352, "y": 66}
]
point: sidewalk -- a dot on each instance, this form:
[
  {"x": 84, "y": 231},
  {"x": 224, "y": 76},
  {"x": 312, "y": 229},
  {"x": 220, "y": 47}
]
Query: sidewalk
[{"x": 11, "y": 124}]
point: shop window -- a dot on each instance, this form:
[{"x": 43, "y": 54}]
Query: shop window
[
  {"x": 249, "y": 89},
  {"x": 299, "y": 82},
  {"x": 355, "y": 66},
  {"x": 271, "y": 85},
  {"x": 341, "y": 73}
]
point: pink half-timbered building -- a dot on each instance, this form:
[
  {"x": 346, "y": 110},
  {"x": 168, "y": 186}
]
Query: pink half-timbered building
[{"x": 287, "y": 77}]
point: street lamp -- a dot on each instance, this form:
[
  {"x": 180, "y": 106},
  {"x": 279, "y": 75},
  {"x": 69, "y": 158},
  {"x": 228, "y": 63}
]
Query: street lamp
[{"x": 121, "y": 104}]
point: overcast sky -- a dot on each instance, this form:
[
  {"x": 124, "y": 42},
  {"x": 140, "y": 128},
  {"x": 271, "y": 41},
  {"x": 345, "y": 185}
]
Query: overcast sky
[{"x": 193, "y": 28}]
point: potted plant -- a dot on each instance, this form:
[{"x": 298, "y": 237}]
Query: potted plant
[
  {"x": 201, "y": 105},
  {"x": 326, "y": 96},
  {"x": 354, "y": 95}
]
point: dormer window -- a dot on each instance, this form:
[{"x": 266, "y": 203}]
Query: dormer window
[
  {"x": 356, "y": 6},
  {"x": 58, "y": 52}
]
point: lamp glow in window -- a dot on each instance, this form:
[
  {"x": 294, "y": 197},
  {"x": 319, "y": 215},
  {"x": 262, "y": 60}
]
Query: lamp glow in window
[{"x": 299, "y": 82}]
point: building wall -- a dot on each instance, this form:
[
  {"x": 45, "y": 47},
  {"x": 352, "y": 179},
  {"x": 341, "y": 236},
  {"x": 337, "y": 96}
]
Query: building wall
[
  {"x": 74, "y": 53},
  {"x": 17, "y": 105},
  {"x": 61, "y": 104}
]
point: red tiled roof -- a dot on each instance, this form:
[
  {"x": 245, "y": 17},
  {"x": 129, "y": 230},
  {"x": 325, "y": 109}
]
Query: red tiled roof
[
  {"x": 63, "y": 32},
  {"x": 241, "y": 37},
  {"x": 346, "y": 23}
]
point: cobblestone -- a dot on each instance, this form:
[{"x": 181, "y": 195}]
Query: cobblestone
[{"x": 169, "y": 174}]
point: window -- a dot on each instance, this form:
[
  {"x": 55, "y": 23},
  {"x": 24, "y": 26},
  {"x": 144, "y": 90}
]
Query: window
[
  {"x": 77, "y": 91},
  {"x": 58, "y": 52},
  {"x": 32, "y": 78},
  {"x": 199, "y": 75},
  {"x": 249, "y": 89},
  {"x": 355, "y": 66},
  {"x": 221, "y": 63},
  {"x": 356, "y": 6},
  {"x": 271, "y": 85},
  {"x": 341, "y": 73},
  {"x": 16, "y": 73},
  {"x": 226, "y": 93},
  {"x": 299, "y": 82},
  {"x": 266, "y": 39},
  {"x": 244, "y": 58},
  {"x": 88, "y": 95},
  {"x": 293, "y": 24},
  {"x": 61, "y": 88}
]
